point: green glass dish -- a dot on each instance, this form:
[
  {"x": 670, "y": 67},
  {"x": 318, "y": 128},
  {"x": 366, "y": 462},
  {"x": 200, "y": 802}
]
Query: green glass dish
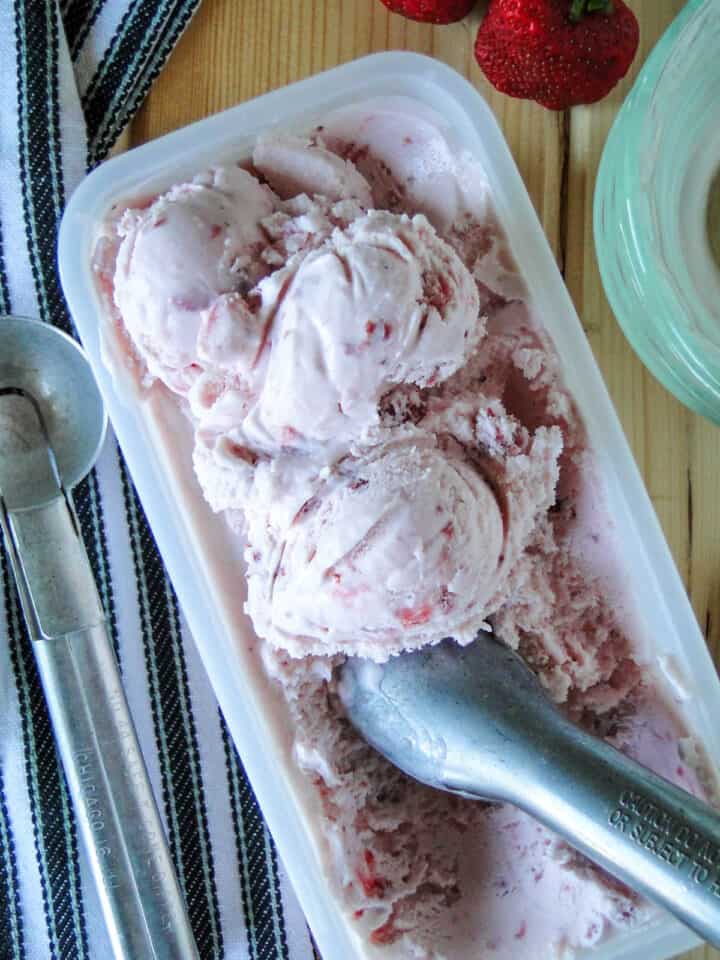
[{"x": 660, "y": 161}]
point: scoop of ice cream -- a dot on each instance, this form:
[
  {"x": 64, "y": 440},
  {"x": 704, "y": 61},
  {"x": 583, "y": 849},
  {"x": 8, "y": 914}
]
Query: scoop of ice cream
[
  {"x": 384, "y": 302},
  {"x": 293, "y": 165},
  {"x": 393, "y": 551},
  {"x": 198, "y": 241},
  {"x": 408, "y": 159}
]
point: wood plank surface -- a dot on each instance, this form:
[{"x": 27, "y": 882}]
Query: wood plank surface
[{"x": 237, "y": 49}]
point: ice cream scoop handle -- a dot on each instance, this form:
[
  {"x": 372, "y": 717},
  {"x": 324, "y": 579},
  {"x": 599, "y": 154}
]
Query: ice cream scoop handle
[
  {"x": 643, "y": 829},
  {"x": 108, "y": 782},
  {"x": 112, "y": 798}
]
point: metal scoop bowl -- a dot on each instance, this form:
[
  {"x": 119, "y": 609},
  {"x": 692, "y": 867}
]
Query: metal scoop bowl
[
  {"x": 475, "y": 721},
  {"x": 52, "y": 427},
  {"x": 51, "y": 368}
]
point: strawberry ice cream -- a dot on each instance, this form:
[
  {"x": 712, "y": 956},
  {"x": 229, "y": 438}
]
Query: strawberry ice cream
[
  {"x": 296, "y": 165},
  {"x": 181, "y": 255},
  {"x": 382, "y": 419},
  {"x": 393, "y": 550},
  {"x": 383, "y": 302}
]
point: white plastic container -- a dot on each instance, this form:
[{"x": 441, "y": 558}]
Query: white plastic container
[{"x": 208, "y": 589}]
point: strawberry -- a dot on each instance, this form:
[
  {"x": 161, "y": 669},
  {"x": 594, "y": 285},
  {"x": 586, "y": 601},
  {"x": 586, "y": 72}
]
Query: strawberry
[
  {"x": 431, "y": 11},
  {"x": 558, "y": 52}
]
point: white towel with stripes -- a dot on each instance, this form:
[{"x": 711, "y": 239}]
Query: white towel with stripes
[{"x": 71, "y": 77}]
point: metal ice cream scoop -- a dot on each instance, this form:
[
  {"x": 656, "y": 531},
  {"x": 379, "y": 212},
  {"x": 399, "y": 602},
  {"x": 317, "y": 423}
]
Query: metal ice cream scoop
[
  {"x": 475, "y": 721},
  {"x": 52, "y": 425}
]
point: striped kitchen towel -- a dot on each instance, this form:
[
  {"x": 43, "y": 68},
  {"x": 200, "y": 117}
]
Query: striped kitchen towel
[{"x": 71, "y": 77}]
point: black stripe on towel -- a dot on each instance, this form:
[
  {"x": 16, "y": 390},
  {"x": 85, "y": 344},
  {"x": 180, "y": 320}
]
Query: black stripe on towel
[
  {"x": 257, "y": 863},
  {"x": 175, "y": 731},
  {"x": 12, "y": 936}
]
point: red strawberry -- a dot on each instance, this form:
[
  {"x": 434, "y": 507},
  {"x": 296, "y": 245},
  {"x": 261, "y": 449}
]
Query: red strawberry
[
  {"x": 558, "y": 52},
  {"x": 431, "y": 11}
]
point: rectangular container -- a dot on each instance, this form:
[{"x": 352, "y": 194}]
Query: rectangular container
[{"x": 189, "y": 541}]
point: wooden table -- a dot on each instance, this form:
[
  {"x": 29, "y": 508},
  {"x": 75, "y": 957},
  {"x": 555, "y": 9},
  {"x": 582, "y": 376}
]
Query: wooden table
[{"x": 237, "y": 49}]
